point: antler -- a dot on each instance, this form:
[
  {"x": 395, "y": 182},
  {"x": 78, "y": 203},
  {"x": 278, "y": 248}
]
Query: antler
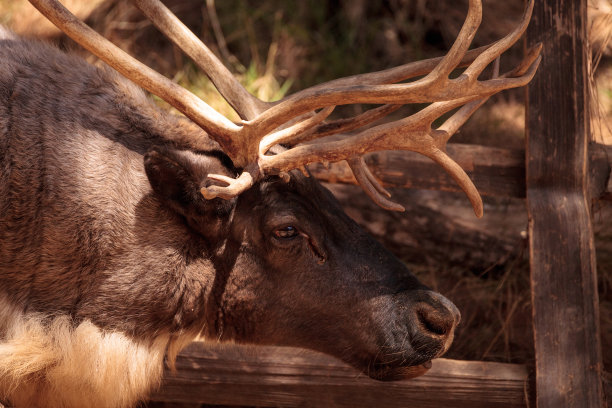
[{"x": 300, "y": 118}]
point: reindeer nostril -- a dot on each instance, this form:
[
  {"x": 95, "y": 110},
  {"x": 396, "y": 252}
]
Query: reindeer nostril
[{"x": 434, "y": 321}]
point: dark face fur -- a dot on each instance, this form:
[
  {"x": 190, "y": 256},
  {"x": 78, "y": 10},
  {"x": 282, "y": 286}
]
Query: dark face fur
[
  {"x": 291, "y": 268},
  {"x": 83, "y": 235}
]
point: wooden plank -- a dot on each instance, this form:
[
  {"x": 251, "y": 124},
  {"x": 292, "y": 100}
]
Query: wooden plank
[
  {"x": 495, "y": 171},
  {"x": 286, "y": 377},
  {"x": 562, "y": 252}
]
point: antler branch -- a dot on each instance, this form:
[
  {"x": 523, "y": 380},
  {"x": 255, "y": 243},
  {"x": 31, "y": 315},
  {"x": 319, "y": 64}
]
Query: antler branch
[
  {"x": 244, "y": 103},
  {"x": 192, "y": 106},
  {"x": 370, "y": 185},
  {"x": 301, "y": 117},
  {"x": 413, "y": 133}
]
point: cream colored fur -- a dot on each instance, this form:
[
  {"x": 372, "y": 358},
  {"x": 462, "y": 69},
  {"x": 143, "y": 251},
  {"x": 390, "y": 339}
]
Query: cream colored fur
[{"x": 47, "y": 362}]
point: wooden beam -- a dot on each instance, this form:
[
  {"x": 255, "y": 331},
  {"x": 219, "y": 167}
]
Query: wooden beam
[
  {"x": 562, "y": 251},
  {"x": 494, "y": 171},
  {"x": 274, "y": 376}
]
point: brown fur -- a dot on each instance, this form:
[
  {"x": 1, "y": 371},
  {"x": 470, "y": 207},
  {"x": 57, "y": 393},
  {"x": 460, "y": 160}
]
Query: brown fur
[
  {"x": 51, "y": 353},
  {"x": 110, "y": 257}
]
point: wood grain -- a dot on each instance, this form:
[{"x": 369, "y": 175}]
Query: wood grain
[
  {"x": 286, "y": 377},
  {"x": 494, "y": 171},
  {"x": 562, "y": 251}
]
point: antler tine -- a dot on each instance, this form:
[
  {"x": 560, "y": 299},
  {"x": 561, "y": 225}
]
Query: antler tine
[
  {"x": 201, "y": 113},
  {"x": 244, "y": 103},
  {"x": 393, "y": 75},
  {"x": 436, "y": 86},
  {"x": 452, "y": 124},
  {"x": 291, "y": 133},
  {"x": 370, "y": 185},
  {"x": 526, "y": 68},
  {"x": 531, "y": 55},
  {"x": 412, "y": 133},
  {"x": 484, "y": 59},
  {"x": 461, "y": 44},
  {"x": 234, "y": 186},
  {"x": 346, "y": 125},
  {"x": 460, "y": 177},
  {"x": 315, "y": 127}
]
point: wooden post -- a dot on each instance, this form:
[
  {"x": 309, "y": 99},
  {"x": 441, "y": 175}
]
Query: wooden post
[{"x": 563, "y": 272}]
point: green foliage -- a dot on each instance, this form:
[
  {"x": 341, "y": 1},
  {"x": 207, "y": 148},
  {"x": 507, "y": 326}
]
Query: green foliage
[{"x": 319, "y": 40}]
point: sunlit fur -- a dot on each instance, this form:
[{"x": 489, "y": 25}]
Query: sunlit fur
[
  {"x": 48, "y": 362},
  {"x": 110, "y": 257}
]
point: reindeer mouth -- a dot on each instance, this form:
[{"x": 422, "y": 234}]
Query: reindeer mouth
[{"x": 397, "y": 373}]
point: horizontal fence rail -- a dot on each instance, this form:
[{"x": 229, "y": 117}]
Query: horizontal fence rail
[
  {"x": 285, "y": 377},
  {"x": 494, "y": 171}
]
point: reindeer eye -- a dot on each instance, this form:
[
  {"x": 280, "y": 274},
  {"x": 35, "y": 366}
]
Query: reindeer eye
[{"x": 286, "y": 232}]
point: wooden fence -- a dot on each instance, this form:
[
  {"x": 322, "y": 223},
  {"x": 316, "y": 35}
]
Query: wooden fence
[
  {"x": 284, "y": 377},
  {"x": 560, "y": 173}
]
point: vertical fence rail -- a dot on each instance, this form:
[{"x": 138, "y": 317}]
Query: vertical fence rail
[{"x": 562, "y": 251}]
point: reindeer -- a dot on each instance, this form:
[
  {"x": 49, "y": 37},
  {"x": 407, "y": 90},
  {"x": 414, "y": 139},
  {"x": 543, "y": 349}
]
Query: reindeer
[{"x": 127, "y": 231}]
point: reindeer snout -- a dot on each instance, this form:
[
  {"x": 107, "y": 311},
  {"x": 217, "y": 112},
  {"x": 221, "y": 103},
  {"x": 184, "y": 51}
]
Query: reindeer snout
[{"x": 435, "y": 319}]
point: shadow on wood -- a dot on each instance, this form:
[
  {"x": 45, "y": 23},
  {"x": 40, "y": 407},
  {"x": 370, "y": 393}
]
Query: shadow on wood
[
  {"x": 494, "y": 171},
  {"x": 286, "y": 377}
]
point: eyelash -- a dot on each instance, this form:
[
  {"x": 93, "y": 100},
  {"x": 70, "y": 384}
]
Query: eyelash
[{"x": 287, "y": 232}]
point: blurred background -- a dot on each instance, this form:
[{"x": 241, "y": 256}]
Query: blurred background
[{"x": 276, "y": 47}]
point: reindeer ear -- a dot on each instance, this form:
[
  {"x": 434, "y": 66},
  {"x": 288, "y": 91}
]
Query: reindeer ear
[{"x": 177, "y": 176}]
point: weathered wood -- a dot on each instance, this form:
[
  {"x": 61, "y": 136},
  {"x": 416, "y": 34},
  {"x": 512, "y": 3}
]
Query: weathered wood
[
  {"x": 285, "y": 377},
  {"x": 447, "y": 235},
  {"x": 562, "y": 251},
  {"x": 607, "y": 382},
  {"x": 495, "y": 171}
]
